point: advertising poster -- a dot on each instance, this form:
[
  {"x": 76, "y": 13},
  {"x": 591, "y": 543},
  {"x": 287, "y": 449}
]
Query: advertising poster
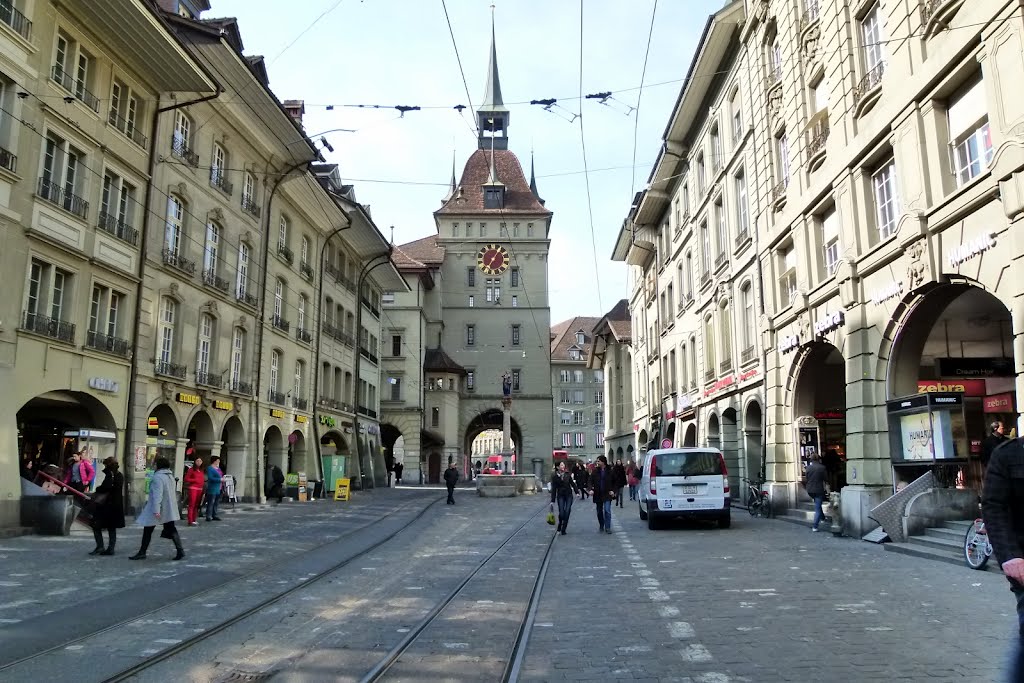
[{"x": 916, "y": 433}]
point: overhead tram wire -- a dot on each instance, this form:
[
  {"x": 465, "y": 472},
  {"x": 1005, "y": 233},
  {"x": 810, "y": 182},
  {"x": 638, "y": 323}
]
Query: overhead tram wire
[
  {"x": 586, "y": 174},
  {"x": 639, "y": 96},
  {"x": 458, "y": 59}
]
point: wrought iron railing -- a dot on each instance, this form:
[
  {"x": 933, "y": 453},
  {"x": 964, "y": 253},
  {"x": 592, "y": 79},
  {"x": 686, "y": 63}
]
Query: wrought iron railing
[
  {"x": 307, "y": 271},
  {"x": 373, "y": 309},
  {"x": 747, "y": 354},
  {"x": 180, "y": 149},
  {"x": 276, "y": 397},
  {"x": 250, "y": 206},
  {"x": 368, "y": 412},
  {"x": 219, "y": 179},
  {"x": 15, "y": 19},
  {"x": 59, "y": 196},
  {"x": 819, "y": 136},
  {"x": 303, "y": 335},
  {"x": 709, "y": 375},
  {"x": 8, "y": 160},
  {"x": 284, "y": 252},
  {"x": 112, "y": 225},
  {"x": 280, "y": 323},
  {"x": 128, "y": 128},
  {"x": 240, "y": 387},
  {"x": 49, "y": 327},
  {"x": 209, "y": 378},
  {"x": 300, "y": 403},
  {"x": 742, "y": 237},
  {"x": 211, "y": 279},
  {"x": 725, "y": 366},
  {"x": 721, "y": 260},
  {"x": 242, "y": 295},
  {"x": 868, "y": 82},
  {"x": 107, "y": 344},
  {"x": 175, "y": 260},
  {"x": 811, "y": 12},
  {"x": 67, "y": 81},
  {"x": 367, "y": 354},
  {"x": 170, "y": 369},
  {"x": 779, "y": 191}
]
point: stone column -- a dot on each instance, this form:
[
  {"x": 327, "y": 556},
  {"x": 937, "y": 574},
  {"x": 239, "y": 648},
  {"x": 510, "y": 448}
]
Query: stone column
[
  {"x": 178, "y": 466},
  {"x": 238, "y": 465}
]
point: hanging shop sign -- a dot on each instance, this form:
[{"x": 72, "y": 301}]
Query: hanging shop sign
[
  {"x": 999, "y": 403},
  {"x": 104, "y": 384},
  {"x": 153, "y": 424},
  {"x": 967, "y": 387},
  {"x": 788, "y": 343},
  {"x": 890, "y": 291},
  {"x": 974, "y": 367},
  {"x": 223, "y": 405},
  {"x": 969, "y": 250},
  {"x": 327, "y": 421},
  {"x": 683, "y": 403},
  {"x": 301, "y": 419},
  {"x": 191, "y": 399},
  {"x": 276, "y": 412},
  {"x": 830, "y": 322}
]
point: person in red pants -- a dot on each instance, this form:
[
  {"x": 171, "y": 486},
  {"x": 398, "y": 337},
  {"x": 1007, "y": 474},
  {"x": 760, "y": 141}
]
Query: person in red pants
[{"x": 195, "y": 479}]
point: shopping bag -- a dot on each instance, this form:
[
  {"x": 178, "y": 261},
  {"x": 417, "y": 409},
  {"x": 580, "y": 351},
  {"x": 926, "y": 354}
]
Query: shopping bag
[{"x": 551, "y": 518}]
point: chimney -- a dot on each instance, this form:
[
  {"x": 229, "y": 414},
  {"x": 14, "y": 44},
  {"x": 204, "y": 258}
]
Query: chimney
[{"x": 295, "y": 109}]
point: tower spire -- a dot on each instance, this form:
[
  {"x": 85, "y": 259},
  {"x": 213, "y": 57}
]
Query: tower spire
[
  {"x": 492, "y": 93},
  {"x": 533, "y": 181},
  {"x": 493, "y": 115}
]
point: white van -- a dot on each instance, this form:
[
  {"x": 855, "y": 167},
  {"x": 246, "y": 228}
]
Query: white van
[{"x": 685, "y": 482}]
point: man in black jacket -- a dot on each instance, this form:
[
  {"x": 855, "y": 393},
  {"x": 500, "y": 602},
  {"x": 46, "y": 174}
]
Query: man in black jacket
[
  {"x": 814, "y": 483},
  {"x": 1002, "y": 506},
  {"x": 602, "y": 488},
  {"x": 451, "y": 478}
]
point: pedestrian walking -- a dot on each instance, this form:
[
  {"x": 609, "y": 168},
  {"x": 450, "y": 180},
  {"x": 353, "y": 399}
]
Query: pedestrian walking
[
  {"x": 276, "y": 486},
  {"x": 451, "y": 478},
  {"x": 814, "y": 484},
  {"x": 214, "y": 480},
  {"x": 633, "y": 474},
  {"x": 619, "y": 481},
  {"x": 195, "y": 480},
  {"x": 161, "y": 508},
  {"x": 398, "y": 473},
  {"x": 582, "y": 478},
  {"x": 563, "y": 491},
  {"x": 603, "y": 491},
  {"x": 108, "y": 507},
  {"x": 1002, "y": 507},
  {"x": 80, "y": 472},
  {"x": 996, "y": 438}
]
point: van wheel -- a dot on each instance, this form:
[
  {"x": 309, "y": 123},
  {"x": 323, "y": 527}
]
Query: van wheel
[
  {"x": 643, "y": 514},
  {"x": 652, "y": 523},
  {"x": 725, "y": 521}
]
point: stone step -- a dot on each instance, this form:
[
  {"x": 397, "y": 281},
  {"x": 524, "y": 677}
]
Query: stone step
[
  {"x": 939, "y": 542},
  {"x": 937, "y": 554},
  {"x": 15, "y": 531},
  {"x": 942, "y": 532},
  {"x": 962, "y": 525}
]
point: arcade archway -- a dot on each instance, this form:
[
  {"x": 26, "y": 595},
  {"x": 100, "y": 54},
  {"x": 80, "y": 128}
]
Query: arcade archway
[
  {"x": 752, "y": 439},
  {"x": 390, "y": 436},
  {"x": 49, "y": 426},
  {"x": 690, "y": 435},
  {"x": 232, "y": 449},
  {"x": 200, "y": 436},
  {"x": 274, "y": 449},
  {"x": 297, "y": 455},
  {"x": 819, "y": 404},
  {"x": 731, "y": 449},
  {"x": 670, "y": 434},
  {"x": 492, "y": 419},
  {"x": 714, "y": 432}
]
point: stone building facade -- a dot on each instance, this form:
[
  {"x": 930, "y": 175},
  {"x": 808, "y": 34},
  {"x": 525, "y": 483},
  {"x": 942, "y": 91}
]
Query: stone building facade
[
  {"x": 578, "y": 392},
  {"x": 612, "y": 352}
]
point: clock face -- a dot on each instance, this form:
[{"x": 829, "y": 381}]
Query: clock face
[{"x": 493, "y": 259}]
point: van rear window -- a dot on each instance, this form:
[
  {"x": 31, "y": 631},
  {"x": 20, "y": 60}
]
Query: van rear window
[{"x": 687, "y": 464}]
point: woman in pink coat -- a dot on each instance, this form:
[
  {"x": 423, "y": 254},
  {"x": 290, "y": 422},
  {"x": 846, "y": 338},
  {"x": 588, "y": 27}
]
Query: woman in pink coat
[{"x": 80, "y": 472}]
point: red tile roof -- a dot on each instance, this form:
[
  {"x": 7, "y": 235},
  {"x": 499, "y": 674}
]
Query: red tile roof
[
  {"x": 469, "y": 195},
  {"x": 419, "y": 253},
  {"x": 565, "y": 337}
]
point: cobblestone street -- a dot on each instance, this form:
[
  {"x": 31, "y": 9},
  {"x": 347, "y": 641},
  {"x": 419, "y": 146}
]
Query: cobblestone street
[{"x": 764, "y": 600}]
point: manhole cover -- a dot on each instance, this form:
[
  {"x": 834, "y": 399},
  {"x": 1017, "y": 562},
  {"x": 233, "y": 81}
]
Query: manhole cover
[{"x": 247, "y": 677}]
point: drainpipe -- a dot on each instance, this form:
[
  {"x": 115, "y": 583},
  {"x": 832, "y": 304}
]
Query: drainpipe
[
  {"x": 254, "y": 417},
  {"x": 372, "y": 263},
  {"x": 140, "y": 287},
  {"x": 316, "y": 353}
]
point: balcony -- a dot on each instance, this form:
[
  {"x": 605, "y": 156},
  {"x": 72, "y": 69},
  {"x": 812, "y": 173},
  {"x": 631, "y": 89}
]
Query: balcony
[
  {"x": 209, "y": 378},
  {"x": 709, "y": 375},
  {"x": 307, "y": 271},
  {"x": 111, "y": 345},
  {"x": 304, "y": 336},
  {"x": 816, "y": 144},
  {"x": 8, "y": 161},
  {"x": 280, "y": 323},
  {"x": 721, "y": 260},
  {"x": 180, "y": 149},
  {"x": 811, "y": 13},
  {"x": 15, "y": 19},
  {"x": 219, "y": 180},
  {"x": 250, "y": 206},
  {"x": 59, "y": 196},
  {"x": 300, "y": 403},
  {"x": 328, "y": 402},
  {"x": 167, "y": 369},
  {"x": 285, "y": 253},
  {"x": 49, "y": 327},
  {"x": 369, "y": 305},
  {"x": 747, "y": 355},
  {"x": 652, "y": 356},
  {"x": 705, "y": 278},
  {"x": 276, "y": 397},
  {"x": 774, "y": 77},
  {"x": 779, "y": 194},
  {"x": 127, "y": 128},
  {"x": 725, "y": 366},
  {"x": 211, "y": 279},
  {"x": 936, "y": 14},
  {"x": 67, "y": 81},
  {"x": 368, "y": 412},
  {"x": 346, "y": 283},
  {"x": 244, "y": 297},
  {"x": 868, "y": 89},
  {"x": 367, "y": 354},
  {"x": 177, "y": 261},
  {"x": 112, "y": 225},
  {"x": 742, "y": 238},
  {"x": 240, "y": 387}
]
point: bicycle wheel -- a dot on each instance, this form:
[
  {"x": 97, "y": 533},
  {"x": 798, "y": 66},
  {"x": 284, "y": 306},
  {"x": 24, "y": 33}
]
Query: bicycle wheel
[
  {"x": 975, "y": 545},
  {"x": 753, "y": 504},
  {"x": 766, "y": 505}
]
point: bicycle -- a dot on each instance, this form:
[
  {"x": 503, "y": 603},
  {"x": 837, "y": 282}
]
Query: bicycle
[
  {"x": 758, "y": 501},
  {"x": 977, "y": 546}
]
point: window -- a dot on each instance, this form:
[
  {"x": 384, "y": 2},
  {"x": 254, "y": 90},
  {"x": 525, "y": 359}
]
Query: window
[
  {"x": 124, "y": 111},
  {"x": 709, "y": 347},
  {"x": 493, "y": 198},
  {"x": 969, "y": 135},
  {"x": 483, "y": 229},
  {"x": 472, "y": 301},
  {"x": 63, "y": 182},
  {"x": 515, "y": 301},
  {"x": 181, "y": 139},
  {"x": 599, "y": 436},
  {"x": 300, "y": 313},
  {"x": 455, "y": 229},
  {"x": 218, "y": 168},
  {"x": 516, "y": 337},
  {"x": 742, "y": 206},
  {"x": 173, "y": 230},
  {"x": 701, "y": 173},
  {"x": 282, "y": 229},
  {"x": 716, "y": 148},
  {"x": 787, "y": 280},
  {"x": 672, "y": 370},
  {"x": 242, "y": 273},
  {"x": 517, "y": 376},
  {"x": 104, "y": 308},
  {"x": 203, "y": 349},
  {"x": 529, "y": 229},
  {"x": 278, "y": 298},
  {"x": 725, "y": 333},
  {"x": 275, "y": 366},
  {"x": 599, "y": 396},
  {"x": 566, "y": 438},
  {"x": 396, "y": 388},
  {"x": 300, "y": 376},
  {"x": 688, "y": 274},
  {"x": 578, "y": 418},
  {"x": 471, "y": 277},
  {"x": 117, "y": 207},
  {"x": 72, "y": 69},
  {"x": 566, "y": 396},
  {"x": 493, "y": 290},
  {"x": 782, "y": 160},
  {"x": 237, "y": 349},
  {"x": 776, "y": 60},
  {"x": 578, "y": 396},
  {"x": 737, "y": 117},
  {"x": 580, "y": 337},
  {"x": 830, "y": 241},
  {"x": 396, "y": 345},
  {"x": 599, "y": 376},
  {"x": 514, "y": 275},
  {"x": 168, "y": 312},
  {"x": 210, "y": 250},
  {"x": 574, "y": 354},
  {"x": 577, "y": 376},
  {"x": 886, "y": 198},
  {"x": 249, "y": 193},
  {"x": 873, "y": 39},
  {"x": 722, "y": 228},
  {"x": 693, "y": 361},
  {"x": 470, "y": 380},
  {"x": 565, "y": 376},
  {"x": 684, "y": 374},
  {"x": 747, "y": 323},
  {"x": 565, "y": 417},
  {"x": 470, "y": 335},
  {"x": 705, "y": 245},
  {"x": 304, "y": 254},
  {"x": 580, "y": 440},
  {"x": 822, "y": 92}
]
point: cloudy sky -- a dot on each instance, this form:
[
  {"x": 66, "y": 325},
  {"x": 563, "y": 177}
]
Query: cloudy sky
[{"x": 399, "y": 52}]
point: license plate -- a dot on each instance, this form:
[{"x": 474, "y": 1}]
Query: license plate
[
  {"x": 688, "y": 488},
  {"x": 665, "y": 504}
]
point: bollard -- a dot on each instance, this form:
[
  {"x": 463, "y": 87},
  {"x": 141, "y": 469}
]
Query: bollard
[{"x": 834, "y": 500}]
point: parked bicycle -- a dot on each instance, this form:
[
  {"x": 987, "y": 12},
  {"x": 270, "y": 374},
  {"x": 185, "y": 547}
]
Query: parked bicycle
[
  {"x": 977, "y": 546},
  {"x": 758, "y": 501}
]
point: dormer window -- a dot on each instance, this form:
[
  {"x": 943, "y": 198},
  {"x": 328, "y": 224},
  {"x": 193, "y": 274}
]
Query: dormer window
[
  {"x": 574, "y": 354},
  {"x": 494, "y": 198},
  {"x": 580, "y": 338}
]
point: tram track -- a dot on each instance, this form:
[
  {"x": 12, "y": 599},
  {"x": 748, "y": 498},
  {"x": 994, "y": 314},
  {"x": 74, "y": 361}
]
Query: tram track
[{"x": 188, "y": 642}]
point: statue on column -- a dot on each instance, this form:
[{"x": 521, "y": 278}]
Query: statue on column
[{"x": 506, "y": 384}]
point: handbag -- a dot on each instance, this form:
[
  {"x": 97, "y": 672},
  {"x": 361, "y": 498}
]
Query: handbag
[{"x": 551, "y": 516}]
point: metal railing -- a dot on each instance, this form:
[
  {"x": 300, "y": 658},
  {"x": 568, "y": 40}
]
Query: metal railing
[
  {"x": 219, "y": 180},
  {"x": 367, "y": 354},
  {"x": 303, "y": 335},
  {"x": 211, "y": 279},
  {"x": 276, "y": 397},
  {"x": 170, "y": 369},
  {"x": 373, "y": 309},
  {"x": 742, "y": 237},
  {"x": 709, "y": 375},
  {"x": 368, "y": 412},
  {"x": 107, "y": 344},
  {"x": 208, "y": 378},
  {"x": 250, "y": 206},
  {"x": 725, "y": 366},
  {"x": 300, "y": 403},
  {"x": 126, "y": 127},
  {"x": 112, "y": 225},
  {"x": 243, "y": 296},
  {"x": 183, "y": 151},
  {"x": 240, "y": 387},
  {"x": 929, "y": 8},
  {"x": 747, "y": 354},
  {"x": 280, "y": 323},
  {"x": 307, "y": 271},
  {"x": 284, "y": 252},
  {"x": 721, "y": 260},
  {"x": 59, "y": 196},
  {"x": 8, "y": 160},
  {"x": 868, "y": 82},
  {"x": 819, "y": 136},
  {"x": 176, "y": 260},
  {"x": 15, "y": 19},
  {"x": 779, "y": 191},
  {"x": 811, "y": 13},
  {"x": 67, "y": 81},
  {"x": 49, "y": 327},
  {"x": 328, "y": 402},
  {"x": 705, "y": 277},
  {"x": 774, "y": 75}
]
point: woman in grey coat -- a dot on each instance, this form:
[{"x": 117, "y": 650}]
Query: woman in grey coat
[{"x": 161, "y": 508}]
